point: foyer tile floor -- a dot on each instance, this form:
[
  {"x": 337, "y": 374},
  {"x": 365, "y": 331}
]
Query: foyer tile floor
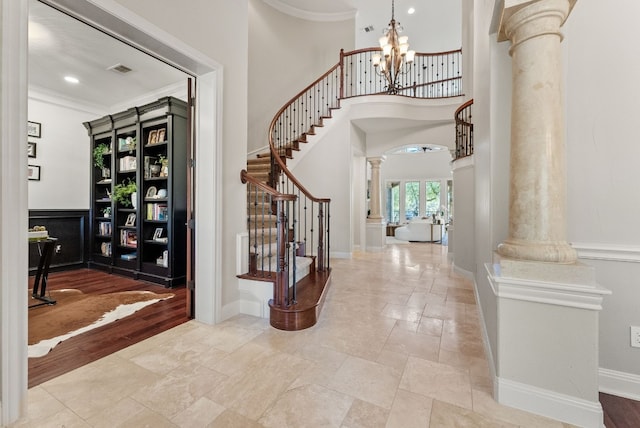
[{"x": 398, "y": 344}]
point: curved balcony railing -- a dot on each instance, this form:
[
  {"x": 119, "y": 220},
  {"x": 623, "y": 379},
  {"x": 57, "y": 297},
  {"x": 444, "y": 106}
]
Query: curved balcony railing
[{"x": 464, "y": 130}]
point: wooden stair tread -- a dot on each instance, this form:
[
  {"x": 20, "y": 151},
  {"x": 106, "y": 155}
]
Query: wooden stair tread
[{"x": 311, "y": 292}]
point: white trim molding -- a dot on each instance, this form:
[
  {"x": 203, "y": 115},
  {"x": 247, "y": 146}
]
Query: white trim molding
[
  {"x": 551, "y": 404},
  {"x": 309, "y": 15},
  {"x": 549, "y": 292},
  {"x": 609, "y": 252},
  {"x": 622, "y": 384}
]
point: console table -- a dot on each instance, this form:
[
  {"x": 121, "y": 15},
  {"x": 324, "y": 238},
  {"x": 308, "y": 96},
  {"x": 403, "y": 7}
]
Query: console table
[{"x": 45, "y": 249}]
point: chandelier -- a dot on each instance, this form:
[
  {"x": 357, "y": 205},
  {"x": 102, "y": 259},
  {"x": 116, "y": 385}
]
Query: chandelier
[{"x": 396, "y": 57}]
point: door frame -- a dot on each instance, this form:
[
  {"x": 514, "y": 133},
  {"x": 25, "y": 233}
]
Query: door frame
[{"x": 114, "y": 19}]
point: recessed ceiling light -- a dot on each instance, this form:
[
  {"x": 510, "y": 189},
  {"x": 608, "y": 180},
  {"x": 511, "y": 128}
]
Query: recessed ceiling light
[
  {"x": 411, "y": 11},
  {"x": 71, "y": 79}
]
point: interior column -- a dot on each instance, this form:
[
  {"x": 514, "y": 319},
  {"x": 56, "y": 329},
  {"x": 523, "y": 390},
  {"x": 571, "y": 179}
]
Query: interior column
[
  {"x": 376, "y": 226},
  {"x": 547, "y": 303},
  {"x": 537, "y": 200},
  {"x": 374, "y": 197}
]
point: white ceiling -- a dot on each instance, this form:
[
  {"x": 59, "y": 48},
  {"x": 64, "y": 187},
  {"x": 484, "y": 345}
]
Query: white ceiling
[{"x": 62, "y": 46}]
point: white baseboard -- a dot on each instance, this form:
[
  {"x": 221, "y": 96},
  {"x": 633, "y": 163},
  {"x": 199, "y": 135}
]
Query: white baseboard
[
  {"x": 622, "y": 384},
  {"x": 550, "y": 404},
  {"x": 229, "y": 310}
]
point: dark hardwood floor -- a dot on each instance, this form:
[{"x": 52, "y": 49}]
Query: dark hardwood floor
[
  {"x": 100, "y": 342},
  {"x": 620, "y": 412}
]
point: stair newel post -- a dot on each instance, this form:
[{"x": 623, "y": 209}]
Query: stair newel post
[
  {"x": 341, "y": 73},
  {"x": 281, "y": 286},
  {"x": 320, "y": 237},
  {"x": 328, "y": 246}
]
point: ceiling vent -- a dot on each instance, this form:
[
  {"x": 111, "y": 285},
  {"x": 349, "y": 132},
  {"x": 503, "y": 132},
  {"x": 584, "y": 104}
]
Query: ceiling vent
[
  {"x": 119, "y": 68},
  {"x": 368, "y": 28}
]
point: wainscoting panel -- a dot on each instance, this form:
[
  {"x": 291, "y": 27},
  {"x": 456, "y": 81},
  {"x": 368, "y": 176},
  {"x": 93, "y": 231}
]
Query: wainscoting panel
[{"x": 71, "y": 228}]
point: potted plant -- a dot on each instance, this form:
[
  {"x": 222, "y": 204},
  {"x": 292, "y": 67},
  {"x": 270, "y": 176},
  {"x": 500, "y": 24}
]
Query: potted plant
[
  {"x": 122, "y": 193},
  {"x": 106, "y": 212},
  {"x": 98, "y": 158}
]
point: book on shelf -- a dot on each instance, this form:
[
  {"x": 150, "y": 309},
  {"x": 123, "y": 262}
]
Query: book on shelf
[
  {"x": 130, "y": 256},
  {"x": 128, "y": 238},
  {"x": 127, "y": 163},
  {"x": 104, "y": 228},
  {"x": 157, "y": 211}
]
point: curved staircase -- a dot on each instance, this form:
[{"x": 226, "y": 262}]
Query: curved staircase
[{"x": 288, "y": 227}]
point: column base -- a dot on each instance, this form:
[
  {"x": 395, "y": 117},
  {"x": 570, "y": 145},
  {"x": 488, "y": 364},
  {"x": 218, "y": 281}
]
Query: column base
[
  {"x": 376, "y": 235},
  {"x": 539, "y": 251},
  {"x": 546, "y": 355}
]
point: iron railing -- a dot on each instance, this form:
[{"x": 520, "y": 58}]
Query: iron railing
[
  {"x": 303, "y": 224},
  {"x": 464, "y": 130}
]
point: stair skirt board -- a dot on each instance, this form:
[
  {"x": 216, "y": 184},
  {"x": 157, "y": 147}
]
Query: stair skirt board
[{"x": 255, "y": 295}]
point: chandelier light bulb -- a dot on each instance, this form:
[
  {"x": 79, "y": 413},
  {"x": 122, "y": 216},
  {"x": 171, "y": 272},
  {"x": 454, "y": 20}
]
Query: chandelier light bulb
[
  {"x": 375, "y": 58},
  {"x": 409, "y": 56},
  {"x": 404, "y": 47},
  {"x": 383, "y": 41},
  {"x": 403, "y": 40},
  {"x": 386, "y": 49}
]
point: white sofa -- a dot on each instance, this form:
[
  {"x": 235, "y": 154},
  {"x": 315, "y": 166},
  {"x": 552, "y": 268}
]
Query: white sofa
[{"x": 420, "y": 230}]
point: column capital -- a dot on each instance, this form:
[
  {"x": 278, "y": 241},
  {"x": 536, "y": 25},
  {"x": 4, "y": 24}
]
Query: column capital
[
  {"x": 376, "y": 160},
  {"x": 515, "y": 13}
]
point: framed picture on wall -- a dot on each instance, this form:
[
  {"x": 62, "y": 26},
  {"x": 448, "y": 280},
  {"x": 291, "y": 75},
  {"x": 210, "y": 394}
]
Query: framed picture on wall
[
  {"x": 34, "y": 129},
  {"x": 34, "y": 172},
  {"x": 31, "y": 149}
]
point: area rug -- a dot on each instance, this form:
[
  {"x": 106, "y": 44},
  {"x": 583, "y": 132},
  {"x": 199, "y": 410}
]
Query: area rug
[{"x": 76, "y": 313}]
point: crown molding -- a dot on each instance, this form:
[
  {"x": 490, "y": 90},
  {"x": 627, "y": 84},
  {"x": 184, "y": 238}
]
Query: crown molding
[{"x": 311, "y": 16}]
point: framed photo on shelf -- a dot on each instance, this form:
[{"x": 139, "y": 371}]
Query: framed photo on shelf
[
  {"x": 153, "y": 137},
  {"x": 34, "y": 172},
  {"x": 34, "y": 129},
  {"x": 158, "y": 233},
  {"x": 131, "y": 220},
  {"x": 31, "y": 149},
  {"x": 151, "y": 192},
  {"x": 161, "y": 135}
]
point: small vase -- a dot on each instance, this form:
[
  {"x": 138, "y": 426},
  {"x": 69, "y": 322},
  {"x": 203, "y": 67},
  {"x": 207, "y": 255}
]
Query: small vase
[{"x": 134, "y": 199}]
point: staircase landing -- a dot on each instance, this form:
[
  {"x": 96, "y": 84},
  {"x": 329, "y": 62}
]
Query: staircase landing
[{"x": 311, "y": 293}]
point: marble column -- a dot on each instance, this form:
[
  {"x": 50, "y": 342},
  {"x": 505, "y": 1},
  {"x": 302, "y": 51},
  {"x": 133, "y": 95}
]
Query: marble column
[
  {"x": 376, "y": 187},
  {"x": 537, "y": 200}
]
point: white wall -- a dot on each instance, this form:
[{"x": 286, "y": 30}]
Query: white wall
[
  {"x": 63, "y": 154},
  {"x": 286, "y": 54},
  {"x": 463, "y": 215},
  {"x": 603, "y": 209},
  {"x": 327, "y": 174},
  {"x": 220, "y": 31}
]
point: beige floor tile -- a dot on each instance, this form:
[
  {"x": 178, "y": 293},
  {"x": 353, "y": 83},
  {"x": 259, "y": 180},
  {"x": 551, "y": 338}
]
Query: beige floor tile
[
  {"x": 231, "y": 419},
  {"x": 420, "y": 345},
  {"x": 307, "y": 406},
  {"x": 199, "y": 414},
  {"x": 398, "y": 344},
  {"x": 409, "y": 410},
  {"x": 41, "y": 405},
  {"x": 252, "y": 392},
  {"x": 178, "y": 390},
  {"x": 117, "y": 415},
  {"x": 430, "y": 326},
  {"x": 439, "y": 381},
  {"x": 64, "y": 418},
  {"x": 445, "y": 415},
  {"x": 367, "y": 381},
  {"x": 99, "y": 385},
  {"x": 365, "y": 415}
]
